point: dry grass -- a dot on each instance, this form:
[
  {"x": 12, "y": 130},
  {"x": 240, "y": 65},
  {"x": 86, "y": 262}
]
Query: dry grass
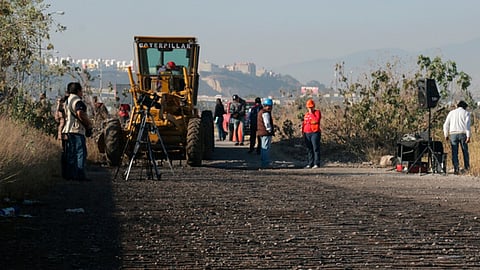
[
  {"x": 94, "y": 155},
  {"x": 29, "y": 160},
  {"x": 473, "y": 149}
]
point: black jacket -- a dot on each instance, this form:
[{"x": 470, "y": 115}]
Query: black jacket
[{"x": 219, "y": 111}]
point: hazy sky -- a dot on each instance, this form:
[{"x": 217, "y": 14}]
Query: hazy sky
[{"x": 269, "y": 33}]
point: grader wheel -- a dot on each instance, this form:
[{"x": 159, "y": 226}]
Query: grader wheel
[
  {"x": 114, "y": 142},
  {"x": 209, "y": 138},
  {"x": 194, "y": 149}
]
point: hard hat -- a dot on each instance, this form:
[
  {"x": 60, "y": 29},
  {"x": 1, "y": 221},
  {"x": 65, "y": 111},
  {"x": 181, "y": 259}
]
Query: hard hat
[
  {"x": 234, "y": 96},
  {"x": 268, "y": 102},
  {"x": 310, "y": 103},
  {"x": 171, "y": 65}
]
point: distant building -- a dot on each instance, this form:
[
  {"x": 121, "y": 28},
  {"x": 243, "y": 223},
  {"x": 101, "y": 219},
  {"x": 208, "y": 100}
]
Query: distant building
[
  {"x": 206, "y": 66},
  {"x": 246, "y": 68},
  {"x": 309, "y": 90},
  {"x": 260, "y": 72},
  {"x": 94, "y": 64}
]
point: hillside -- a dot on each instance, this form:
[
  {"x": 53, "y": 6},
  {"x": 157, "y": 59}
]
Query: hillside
[
  {"x": 227, "y": 83},
  {"x": 463, "y": 54}
]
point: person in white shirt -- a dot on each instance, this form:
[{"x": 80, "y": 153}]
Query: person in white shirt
[{"x": 456, "y": 129}]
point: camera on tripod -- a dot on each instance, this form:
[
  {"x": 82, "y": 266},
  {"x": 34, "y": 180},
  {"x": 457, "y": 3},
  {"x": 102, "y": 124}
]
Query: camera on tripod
[
  {"x": 143, "y": 126},
  {"x": 150, "y": 100}
]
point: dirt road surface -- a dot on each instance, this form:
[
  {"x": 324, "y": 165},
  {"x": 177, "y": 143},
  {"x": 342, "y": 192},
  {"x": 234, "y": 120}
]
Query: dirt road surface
[{"x": 228, "y": 214}]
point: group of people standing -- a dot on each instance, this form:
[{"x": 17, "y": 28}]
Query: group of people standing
[
  {"x": 75, "y": 125},
  {"x": 456, "y": 130},
  {"x": 262, "y": 128},
  {"x": 261, "y": 124}
]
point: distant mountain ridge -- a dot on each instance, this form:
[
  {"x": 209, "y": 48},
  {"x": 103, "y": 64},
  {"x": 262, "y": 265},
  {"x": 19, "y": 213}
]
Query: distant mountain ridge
[{"x": 464, "y": 54}]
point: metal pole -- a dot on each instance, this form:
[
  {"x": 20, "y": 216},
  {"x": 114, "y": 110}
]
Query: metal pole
[
  {"x": 40, "y": 80},
  {"x": 40, "y": 76}
]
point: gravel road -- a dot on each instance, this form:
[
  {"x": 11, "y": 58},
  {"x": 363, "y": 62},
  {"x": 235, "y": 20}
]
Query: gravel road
[{"x": 229, "y": 214}]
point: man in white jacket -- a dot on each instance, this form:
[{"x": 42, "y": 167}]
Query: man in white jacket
[{"x": 457, "y": 129}]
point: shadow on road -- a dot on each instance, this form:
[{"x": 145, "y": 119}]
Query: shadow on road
[
  {"x": 229, "y": 156},
  {"x": 73, "y": 227}
]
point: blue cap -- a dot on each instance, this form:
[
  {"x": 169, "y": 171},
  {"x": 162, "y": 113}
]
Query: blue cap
[{"x": 268, "y": 102}]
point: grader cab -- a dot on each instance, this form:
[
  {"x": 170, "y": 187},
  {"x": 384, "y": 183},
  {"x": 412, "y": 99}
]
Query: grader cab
[{"x": 166, "y": 88}]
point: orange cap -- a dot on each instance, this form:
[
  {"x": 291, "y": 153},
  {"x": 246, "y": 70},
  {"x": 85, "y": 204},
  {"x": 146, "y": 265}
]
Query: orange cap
[{"x": 310, "y": 103}]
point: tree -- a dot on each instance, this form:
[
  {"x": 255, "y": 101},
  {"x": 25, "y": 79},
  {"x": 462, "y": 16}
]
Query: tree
[
  {"x": 446, "y": 74},
  {"x": 379, "y": 111},
  {"x": 25, "y": 27}
]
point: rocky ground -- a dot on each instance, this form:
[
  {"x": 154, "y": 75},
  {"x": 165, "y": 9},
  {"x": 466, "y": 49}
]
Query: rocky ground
[{"x": 229, "y": 214}]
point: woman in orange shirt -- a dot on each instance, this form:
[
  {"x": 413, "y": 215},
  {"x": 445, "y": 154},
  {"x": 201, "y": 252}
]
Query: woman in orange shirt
[{"x": 312, "y": 134}]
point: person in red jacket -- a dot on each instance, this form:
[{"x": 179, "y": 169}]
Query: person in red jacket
[
  {"x": 312, "y": 134},
  {"x": 124, "y": 113}
]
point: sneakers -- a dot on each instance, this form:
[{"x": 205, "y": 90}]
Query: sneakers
[
  {"x": 311, "y": 167},
  {"x": 236, "y": 144},
  {"x": 241, "y": 143},
  {"x": 315, "y": 167},
  {"x": 307, "y": 167}
]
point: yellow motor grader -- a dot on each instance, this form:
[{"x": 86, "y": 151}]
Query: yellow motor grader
[{"x": 164, "y": 95}]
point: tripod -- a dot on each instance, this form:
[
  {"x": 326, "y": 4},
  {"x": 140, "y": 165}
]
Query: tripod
[
  {"x": 143, "y": 137},
  {"x": 433, "y": 161}
]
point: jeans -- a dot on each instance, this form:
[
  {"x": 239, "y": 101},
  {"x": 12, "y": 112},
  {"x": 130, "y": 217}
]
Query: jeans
[
  {"x": 76, "y": 157},
  {"x": 265, "y": 151},
  {"x": 221, "y": 132},
  {"x": 238, "y": 125},
  {"x": 455, "y": 141},
  {"x": 255, "y": 140},
  {"x": 312, "y": 142}
]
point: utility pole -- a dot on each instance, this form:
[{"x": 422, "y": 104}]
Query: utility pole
[
  {"x": 40, "y": 41},
  {"x": 101, "y": 75}
]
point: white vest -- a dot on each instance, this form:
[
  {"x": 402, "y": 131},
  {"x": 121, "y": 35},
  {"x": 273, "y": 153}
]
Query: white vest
[{"x": 72, "y": 124}]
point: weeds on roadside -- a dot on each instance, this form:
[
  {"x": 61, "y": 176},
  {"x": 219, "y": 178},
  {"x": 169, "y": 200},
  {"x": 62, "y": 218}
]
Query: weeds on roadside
[{"x": 29, "y": 160}]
